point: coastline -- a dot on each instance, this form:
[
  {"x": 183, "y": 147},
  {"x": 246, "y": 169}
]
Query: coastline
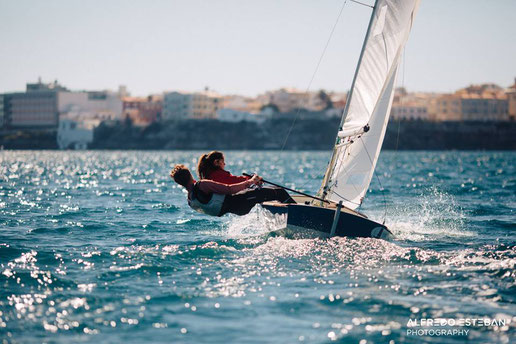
[{"x": 307, "y": 134}]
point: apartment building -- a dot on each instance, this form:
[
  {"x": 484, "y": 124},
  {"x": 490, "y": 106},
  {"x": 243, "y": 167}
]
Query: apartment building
[
  {"x": 486, "y": 102},
  {"x": 183, "y": 105},
  {"x": 511, "y": 101},
  {"x": 411, "y": 106},
  {"x": 143, "y": 110},
  {"x": 35, "y": 108}
]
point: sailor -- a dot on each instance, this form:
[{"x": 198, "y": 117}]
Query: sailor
[
  {"x": 211, "y": 166},
  {"x": 216, "y": 199}
]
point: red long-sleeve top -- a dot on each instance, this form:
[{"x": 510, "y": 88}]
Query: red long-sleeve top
[
  {"x": 225, "y": 177},
  {"x": 210, "y": 186}
]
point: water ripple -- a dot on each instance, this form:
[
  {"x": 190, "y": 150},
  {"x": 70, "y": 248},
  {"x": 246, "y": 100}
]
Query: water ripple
[{"x": 102, "y": 246}]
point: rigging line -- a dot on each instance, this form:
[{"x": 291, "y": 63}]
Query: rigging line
[
  {"x": 308, "y": 181},
  {"x": 361, "y": 3},
  {"x": 379, "y": 182},
  {"x": 395, "y": 162},
  {"x": 315, "y": 72},
  {"x": 401, "y": 103}
]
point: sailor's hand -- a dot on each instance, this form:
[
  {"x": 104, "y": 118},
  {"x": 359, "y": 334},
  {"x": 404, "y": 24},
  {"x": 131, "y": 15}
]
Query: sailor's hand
[{"x": 256, "y": 179}]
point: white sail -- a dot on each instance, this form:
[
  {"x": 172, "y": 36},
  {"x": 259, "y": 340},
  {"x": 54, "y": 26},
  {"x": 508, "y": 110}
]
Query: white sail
[{"x": 369, "y": 103}]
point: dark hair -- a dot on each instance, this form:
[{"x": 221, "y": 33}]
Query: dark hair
[
  {"x": 181, "y": 175},
  {"x": 206, "y": 165}
]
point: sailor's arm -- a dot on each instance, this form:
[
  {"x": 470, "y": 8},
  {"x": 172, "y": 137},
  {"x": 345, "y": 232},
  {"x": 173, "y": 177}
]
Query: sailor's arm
[
  {"x": 209, "y": 186},
  {"x": 226, "y": 178}
]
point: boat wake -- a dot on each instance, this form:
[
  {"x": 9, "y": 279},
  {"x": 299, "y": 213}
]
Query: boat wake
[
  {"x": 435, "y": 215},
  {"x": 258, "y": 222}
]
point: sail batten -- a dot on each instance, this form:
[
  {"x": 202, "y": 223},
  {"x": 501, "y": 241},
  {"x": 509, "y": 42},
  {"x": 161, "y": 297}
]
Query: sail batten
[{"x": 354, "y": 157}]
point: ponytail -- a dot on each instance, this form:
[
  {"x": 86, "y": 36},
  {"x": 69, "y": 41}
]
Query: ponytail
[
  {"x": 202, "y": 166},
  {"x": 206, "y": 165}
]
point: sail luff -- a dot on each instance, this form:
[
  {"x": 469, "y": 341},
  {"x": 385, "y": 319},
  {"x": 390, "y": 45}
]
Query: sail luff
[
  {"x": 367, "y": 110},
  {"x": 322, "y": 191},
  {"x": 348, "y": 98}
]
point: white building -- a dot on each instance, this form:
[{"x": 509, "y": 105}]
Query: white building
[
  {"x": 103, "y": 105},
  {"x": 177, "y": 105},
  {"x": 75, "y": 133},
  {"x": 231, "y": 115},
  {"x": 81, "y": 112}
]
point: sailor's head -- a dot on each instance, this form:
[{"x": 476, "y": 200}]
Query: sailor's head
[
  {"x": 216, "y": 158},
  {"x": 181, "y": 175},
  {"x": 209, "y": 163}
]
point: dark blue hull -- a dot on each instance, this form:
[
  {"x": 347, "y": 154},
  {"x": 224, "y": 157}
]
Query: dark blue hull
[{"x": 320, "y": 219}]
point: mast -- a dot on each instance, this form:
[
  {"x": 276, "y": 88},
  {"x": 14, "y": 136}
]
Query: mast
[
  {"x": 323, "y": 190},
  {"x": 367, "y": 110}
]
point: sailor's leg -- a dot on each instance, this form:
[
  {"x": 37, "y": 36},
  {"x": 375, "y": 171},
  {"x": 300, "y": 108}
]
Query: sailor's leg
[
  {"x": 242, "y": 202},
  {"x": 268, "y": 194}
]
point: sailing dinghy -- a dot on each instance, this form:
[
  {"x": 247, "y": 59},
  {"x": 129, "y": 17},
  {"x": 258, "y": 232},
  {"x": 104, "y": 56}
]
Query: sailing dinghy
[{"x": 360, "y": 134}]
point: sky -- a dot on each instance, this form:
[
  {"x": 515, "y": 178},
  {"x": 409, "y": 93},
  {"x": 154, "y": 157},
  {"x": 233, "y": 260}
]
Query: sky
[{"x": 244, "y": 47}]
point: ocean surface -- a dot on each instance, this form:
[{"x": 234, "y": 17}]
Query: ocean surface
[{"x": 100, "y": 246}]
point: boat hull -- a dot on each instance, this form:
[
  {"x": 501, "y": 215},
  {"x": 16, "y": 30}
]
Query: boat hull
[{"x": 308, "y": 217}]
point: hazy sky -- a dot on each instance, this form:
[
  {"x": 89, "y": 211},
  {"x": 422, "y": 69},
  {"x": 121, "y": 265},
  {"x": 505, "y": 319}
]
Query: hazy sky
[{"x": 243, "y": 47}]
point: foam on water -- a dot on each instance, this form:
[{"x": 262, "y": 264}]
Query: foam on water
[
  {"x": 258, "y": 222},
  {"x": 433, "y": 216}
]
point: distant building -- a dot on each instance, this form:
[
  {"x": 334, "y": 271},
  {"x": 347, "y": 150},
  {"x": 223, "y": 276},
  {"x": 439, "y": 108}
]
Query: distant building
[
  {"x": 177, "y": 106},
  {"x": 339, "y": 100},
  {"x": 448, "y": 108},
  {"x": 292, "y": 99},
  {"x": 409, "y": 111},
  {"x": 199, "y": 105},
  {"x": 230, "y": 115},
  {"x": 205, "y": 105},
  {"x": 74, "y": 133},
  {"x": 241, "y": 103},
  {"x": 511, "y": 101},
  {"x": 35, "y": 108},
  {"x": 485, "y": 102},
  {"x": 123, "y": 92},
  {"x": 143, "y": 110},
  {"x": 286, "y": 99},
  {"x": 411, "y": 106},
  {"x": 102, "y": 105}
]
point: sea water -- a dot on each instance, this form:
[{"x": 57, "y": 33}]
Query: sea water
[{"x": 100, "y": 246}]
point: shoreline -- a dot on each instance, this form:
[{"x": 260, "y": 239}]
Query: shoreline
[{"x": 308, "y": 134}]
